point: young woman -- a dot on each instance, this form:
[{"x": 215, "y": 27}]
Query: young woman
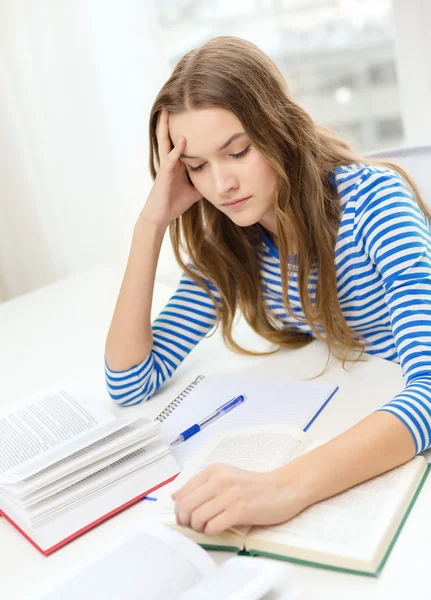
[{"x": 282, "y": 221}]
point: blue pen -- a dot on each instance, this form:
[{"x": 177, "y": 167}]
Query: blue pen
[{"x": 221, "y": 410}]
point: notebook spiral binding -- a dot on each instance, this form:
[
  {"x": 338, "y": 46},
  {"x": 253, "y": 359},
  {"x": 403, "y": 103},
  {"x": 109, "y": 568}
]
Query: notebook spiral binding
[{"x": 177, "y": 401}]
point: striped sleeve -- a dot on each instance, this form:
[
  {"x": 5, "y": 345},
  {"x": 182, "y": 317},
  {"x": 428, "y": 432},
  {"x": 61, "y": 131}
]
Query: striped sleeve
[
  {"x": 188, "y": 316},
  {"x": 395, "y": 235}
]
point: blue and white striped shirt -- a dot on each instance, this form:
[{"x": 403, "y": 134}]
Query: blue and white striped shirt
[{"x": 383, "y": 268}]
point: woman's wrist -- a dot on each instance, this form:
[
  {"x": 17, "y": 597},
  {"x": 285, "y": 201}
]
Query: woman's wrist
[
  {"x": 299, "y": 480},
  {"x": 145, "y": 226},
  {"x": 377, "y": 444}
]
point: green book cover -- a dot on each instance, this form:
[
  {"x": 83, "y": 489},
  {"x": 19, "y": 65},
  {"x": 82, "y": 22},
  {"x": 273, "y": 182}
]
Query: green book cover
[{"x": 252, "y": 552}]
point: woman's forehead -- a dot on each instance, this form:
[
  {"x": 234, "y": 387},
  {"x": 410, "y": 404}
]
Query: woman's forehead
[{"x": 206, "y": 130}]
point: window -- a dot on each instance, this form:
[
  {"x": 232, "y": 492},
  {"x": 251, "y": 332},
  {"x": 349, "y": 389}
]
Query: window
[
  {"x": 337, "y": 55},
  {"x": 382, "y": 74},
  {"x": 389, "y": 130}
]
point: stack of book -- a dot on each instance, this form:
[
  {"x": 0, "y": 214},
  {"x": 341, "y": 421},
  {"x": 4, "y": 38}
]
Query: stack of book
[{"x": 67, "y": 463}]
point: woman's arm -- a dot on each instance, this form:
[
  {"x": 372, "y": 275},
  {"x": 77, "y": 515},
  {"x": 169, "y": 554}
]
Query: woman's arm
[
  {"x": 134, "y": 368},
  {"x": 222, "y": 496},
  {"x": 130, "y": 339},
  {"x": 162, "y": 345},
  {"x": 394, "y": 234},
  {"x": 377, "y": 444}
]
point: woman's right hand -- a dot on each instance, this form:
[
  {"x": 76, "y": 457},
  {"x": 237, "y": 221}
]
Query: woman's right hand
[{"x": 172, "y": 193}]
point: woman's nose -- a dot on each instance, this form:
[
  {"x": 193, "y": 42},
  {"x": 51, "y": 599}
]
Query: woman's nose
[{"x": 224, "y": 182}]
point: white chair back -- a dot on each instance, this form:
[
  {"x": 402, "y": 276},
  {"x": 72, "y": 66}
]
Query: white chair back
[{"x": 416, "y": 160}]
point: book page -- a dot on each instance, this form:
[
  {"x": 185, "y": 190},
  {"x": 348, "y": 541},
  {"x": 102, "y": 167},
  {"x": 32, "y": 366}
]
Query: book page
[
  {"x": 48, "y": 426},
  {"x": 103, "y": 451},
  {"x": 80, "y": 474},
  {"x": 260, "y": 449},
  {"x": 352, "y": 523},
  {"x": 93, "y": 485},
  {"x": 152, "y": 562}
]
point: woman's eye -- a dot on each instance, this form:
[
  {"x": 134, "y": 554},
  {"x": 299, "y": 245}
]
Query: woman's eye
[
  {"x": 240, "y": 154},
  {"x": 199, "y": 168}
]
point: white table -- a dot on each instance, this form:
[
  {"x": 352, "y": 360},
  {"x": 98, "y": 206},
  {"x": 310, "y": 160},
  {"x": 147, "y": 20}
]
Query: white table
[{"x": 60, "y": 331}]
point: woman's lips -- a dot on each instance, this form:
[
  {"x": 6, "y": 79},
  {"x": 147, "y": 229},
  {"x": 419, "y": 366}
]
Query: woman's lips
[{"x": 237, "y": 204}]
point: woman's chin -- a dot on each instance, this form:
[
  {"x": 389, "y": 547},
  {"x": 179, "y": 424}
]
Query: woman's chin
[
  {"x": 245, "y": 222},
  {"x": 245, "y": 218}
]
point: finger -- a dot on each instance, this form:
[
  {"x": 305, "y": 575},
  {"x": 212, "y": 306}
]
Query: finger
[
  {"x": 222, "y": 521},
  {"x": 185, "y": 507},
  {"x": 208, "y": 511},
  {"x": 162, "y": 134},
  {"x": 192, "y": 484},
  {"x": 175, "y": 154}
]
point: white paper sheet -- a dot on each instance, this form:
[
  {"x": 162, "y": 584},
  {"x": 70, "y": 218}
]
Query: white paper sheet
[
  {"x": 268, "y": 402},
  {"x": 153, "y": 563},
  {"x": 49, "y": 425}
]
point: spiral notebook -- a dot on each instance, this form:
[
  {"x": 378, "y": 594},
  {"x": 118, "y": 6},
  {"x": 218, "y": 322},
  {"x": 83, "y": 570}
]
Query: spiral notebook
[{"x": 268, "y": 402}]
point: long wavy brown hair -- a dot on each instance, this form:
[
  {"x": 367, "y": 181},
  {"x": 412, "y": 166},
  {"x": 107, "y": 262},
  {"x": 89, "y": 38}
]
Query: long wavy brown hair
[{"x": 235, "y": 74}]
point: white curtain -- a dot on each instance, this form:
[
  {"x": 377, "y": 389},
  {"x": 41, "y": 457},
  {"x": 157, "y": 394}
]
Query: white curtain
[{"x": 77, "y": 79}]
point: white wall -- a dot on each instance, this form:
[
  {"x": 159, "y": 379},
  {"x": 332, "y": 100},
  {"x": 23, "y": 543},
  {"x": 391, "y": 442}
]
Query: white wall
[
  {"x": 77, "y": 78},
  {"x": 413, "y": 55}
]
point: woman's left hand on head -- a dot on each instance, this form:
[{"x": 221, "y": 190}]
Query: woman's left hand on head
[{"x": 220, "y": 497}]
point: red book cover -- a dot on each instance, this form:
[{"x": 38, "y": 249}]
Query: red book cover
[{"x": 90, "y": 525}]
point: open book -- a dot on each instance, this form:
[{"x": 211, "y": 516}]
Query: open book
[
  {"x": 353, "y": 531},
  {"x": 66, "y": 463},
  {"x": 156, "y": 563}
]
